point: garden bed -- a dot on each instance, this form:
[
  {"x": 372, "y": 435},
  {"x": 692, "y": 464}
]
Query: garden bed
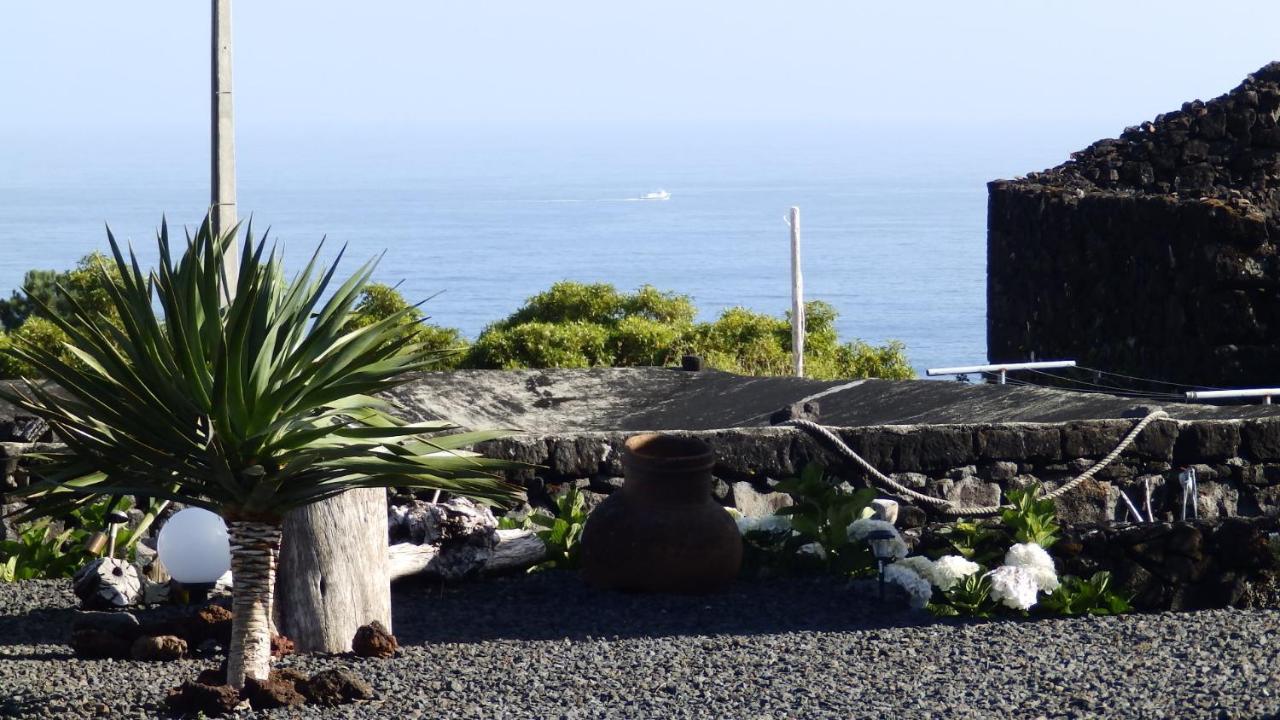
[{"x": 545, "y": 645}]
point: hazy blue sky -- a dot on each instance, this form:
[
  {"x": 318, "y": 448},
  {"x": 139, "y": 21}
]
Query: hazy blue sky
[{"x": 1077, "y": 68}]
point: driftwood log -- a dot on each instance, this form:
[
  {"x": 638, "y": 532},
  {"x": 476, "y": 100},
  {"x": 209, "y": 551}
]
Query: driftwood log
[
  {"x": 333, "y": 573},
  {"x": 515, "y": 550}
]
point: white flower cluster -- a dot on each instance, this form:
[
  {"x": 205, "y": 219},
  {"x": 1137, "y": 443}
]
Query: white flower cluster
[
  {"x": 860, "y": 528},
  {"x": 766, "y": 523},
  {"x": 917, "y": 588},
  {"x": 1033, "y": 558},
  {"x": 942, "y": 573},
  {"x": 1014, "y": 586},
  {"x": 951, "y": 569}
]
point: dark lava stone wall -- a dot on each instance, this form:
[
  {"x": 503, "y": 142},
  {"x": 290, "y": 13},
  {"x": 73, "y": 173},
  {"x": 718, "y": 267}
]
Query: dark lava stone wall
[
  {"x": 1237, "y": 461},
  {"x": 1182, "y": 291},
  {"x": 1152, "y": 254}
]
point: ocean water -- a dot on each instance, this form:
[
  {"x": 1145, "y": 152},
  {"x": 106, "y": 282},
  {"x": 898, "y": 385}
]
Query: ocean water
[{"x": 895, "y": 241}]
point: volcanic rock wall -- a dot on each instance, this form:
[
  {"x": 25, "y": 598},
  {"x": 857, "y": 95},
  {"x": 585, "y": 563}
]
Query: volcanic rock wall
[
  {"x": 1237, "y": 461},
  {"x": 1153, "y": 254}
]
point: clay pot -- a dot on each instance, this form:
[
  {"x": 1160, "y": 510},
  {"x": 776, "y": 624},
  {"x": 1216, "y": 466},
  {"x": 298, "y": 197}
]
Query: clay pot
[{"x": 662, "y": 532}]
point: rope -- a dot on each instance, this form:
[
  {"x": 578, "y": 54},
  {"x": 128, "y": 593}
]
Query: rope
[{"x": 949, "y": 506}]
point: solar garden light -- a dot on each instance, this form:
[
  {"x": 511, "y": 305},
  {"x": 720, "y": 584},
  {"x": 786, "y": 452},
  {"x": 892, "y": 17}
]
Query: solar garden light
[
  {"x": 115, "y": 519},
  {"x": 881, "y": 542},
  {"x": 194, "y": 547}
]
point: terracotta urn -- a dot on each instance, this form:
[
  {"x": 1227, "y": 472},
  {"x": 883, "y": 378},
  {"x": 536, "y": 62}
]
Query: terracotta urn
[{"x": 662, "y": 532}]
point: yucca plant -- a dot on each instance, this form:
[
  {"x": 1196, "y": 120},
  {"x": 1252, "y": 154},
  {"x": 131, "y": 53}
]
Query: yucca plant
[{"x": 249, "y": 407}]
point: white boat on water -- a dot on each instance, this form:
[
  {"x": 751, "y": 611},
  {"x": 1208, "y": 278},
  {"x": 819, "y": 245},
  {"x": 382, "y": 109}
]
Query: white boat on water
[{"x": 659, "y": 195}]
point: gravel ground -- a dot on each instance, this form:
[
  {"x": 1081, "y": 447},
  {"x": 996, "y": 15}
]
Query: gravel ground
[{"x": 544, "y": 646}]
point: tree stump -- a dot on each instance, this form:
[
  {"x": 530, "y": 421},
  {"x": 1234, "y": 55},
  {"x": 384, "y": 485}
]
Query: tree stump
[{"x": 333, "y": 572}]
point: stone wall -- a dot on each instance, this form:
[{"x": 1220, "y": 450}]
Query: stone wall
[
  {"x": 1153, "y": 254},
  {"x": 1238, "y": 462}
]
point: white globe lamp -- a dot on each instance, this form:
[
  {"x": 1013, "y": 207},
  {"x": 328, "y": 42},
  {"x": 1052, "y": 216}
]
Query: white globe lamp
[{"x": 194, "y": 547}]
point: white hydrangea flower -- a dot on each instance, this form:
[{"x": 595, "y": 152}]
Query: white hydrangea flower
[
  {"x": 1014, "y": 586},
  {"x": 767, "y": 523},
  {"x": 948, "y": 570},
  {"x": 918, "y": 564},
  {"x": 1033, "y": 558},
  {"x": 918, "y": 590},
  {"x": 860, "y": 528}
]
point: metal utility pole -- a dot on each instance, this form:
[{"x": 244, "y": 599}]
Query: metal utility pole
[{"x": 223, "y": 150}]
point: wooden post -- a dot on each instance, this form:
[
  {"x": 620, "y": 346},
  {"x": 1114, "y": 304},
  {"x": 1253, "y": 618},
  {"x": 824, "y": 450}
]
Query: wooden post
[
  {"x": 797, "y": 296},
  {"x": 223, "y": 136},
  {"x": 334, "y": 571}
]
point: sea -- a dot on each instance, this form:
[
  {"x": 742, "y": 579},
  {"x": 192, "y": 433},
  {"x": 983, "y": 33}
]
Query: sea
[{"x": 477, "y": 220}]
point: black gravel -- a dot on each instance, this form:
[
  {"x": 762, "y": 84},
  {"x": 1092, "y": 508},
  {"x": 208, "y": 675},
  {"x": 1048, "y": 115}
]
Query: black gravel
[{"x": 544, "y": 646}]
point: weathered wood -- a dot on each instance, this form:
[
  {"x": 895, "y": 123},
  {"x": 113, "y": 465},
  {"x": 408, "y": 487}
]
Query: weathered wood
[
  {"x": 516, "y": 549},
  {"x": 333, "y": 574}
]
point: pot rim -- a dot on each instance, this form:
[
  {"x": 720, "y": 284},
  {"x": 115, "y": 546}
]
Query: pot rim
[{"x": 668, "y": 448}]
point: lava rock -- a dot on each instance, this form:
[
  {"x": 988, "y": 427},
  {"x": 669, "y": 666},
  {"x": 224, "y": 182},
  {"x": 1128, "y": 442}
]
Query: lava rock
[
  {"x": 160, "y": 647},
  {"x": 281, "y": 646},
  {"x": 211, "y": 622},
  {"x": 212, "y": 700},
  {"x": 373, "y": 640},
  {"x": 274, "y": 692},
  {"x": 335, "y": 687}
]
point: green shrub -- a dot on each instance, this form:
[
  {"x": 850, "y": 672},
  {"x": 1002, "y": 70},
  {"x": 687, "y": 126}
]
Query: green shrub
[
  {"x": 85, "y": 283},
  {"x": 541, "y": 345},
  {"x": 563, "y": 326},
  {"x": 35, "y": 332},
  {"x": 642, "y": 341},
  {"x": 379, "y": 302}
]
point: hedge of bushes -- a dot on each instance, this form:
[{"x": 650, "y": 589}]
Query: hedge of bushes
[{"x": 571, "y": 325}]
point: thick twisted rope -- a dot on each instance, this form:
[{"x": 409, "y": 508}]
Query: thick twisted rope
[{"x": 824, "y": 435}]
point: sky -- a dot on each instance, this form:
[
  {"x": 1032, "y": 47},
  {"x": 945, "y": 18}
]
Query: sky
[{"x": 1038, "y": 73}]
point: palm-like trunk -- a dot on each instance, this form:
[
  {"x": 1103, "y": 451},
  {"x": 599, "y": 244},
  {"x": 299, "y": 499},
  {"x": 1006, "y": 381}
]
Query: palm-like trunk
[{"x": 254, "y": 549}]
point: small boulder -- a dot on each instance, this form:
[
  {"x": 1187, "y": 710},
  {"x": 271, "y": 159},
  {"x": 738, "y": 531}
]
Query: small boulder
[
  {"x": 751, "y": 503},
  {"x": 159, "y": 647},
  {"x": 192, "y": 698},
  {"x": 212, "y": 622},
  {"x": 104, "y": 634},
  {"x": 335, "y": 687},
  {"x": 373, "y": 640},
  {"x": 274, "y": 692}
]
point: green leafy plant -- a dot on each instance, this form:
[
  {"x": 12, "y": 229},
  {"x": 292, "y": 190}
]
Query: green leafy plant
[
  {"x": 1031, "y": 519},
  {"x": 977, "y": 541},
  {"x": 971, "y": 597},
  {"x": 41, "y": 552},
  {"x": 561, "y": 533},
  {"x": 248, "y": 399},
  {"x": 822, "y": 514},
  {"x": 1080, "y": 596}
]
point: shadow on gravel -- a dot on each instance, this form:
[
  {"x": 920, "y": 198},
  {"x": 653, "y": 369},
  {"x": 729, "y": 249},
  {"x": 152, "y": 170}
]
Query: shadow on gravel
[
  {"x": 557, "y": 605},
  {"x": 37, "y": 627}
]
